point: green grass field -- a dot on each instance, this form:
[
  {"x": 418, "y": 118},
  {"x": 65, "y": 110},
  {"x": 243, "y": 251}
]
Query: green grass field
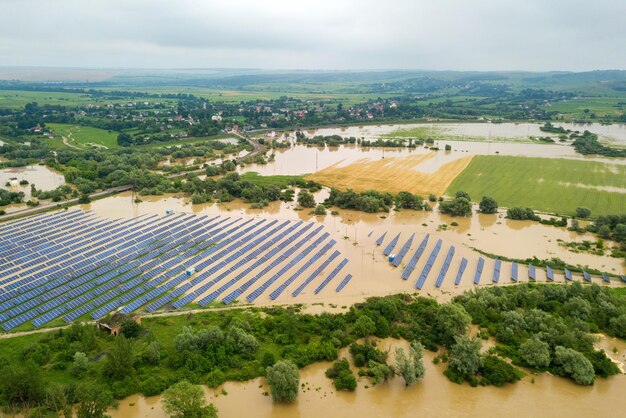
[
  {"x": 601, "y": 106},
  {"x": 84, "y": 136},
  {"x": 281, "y": 181},
  {"x": 14, "y": 99},
  {"x": 545, "y": 184}
]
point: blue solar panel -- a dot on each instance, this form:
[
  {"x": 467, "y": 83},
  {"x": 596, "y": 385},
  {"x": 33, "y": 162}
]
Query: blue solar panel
[
  {"x": 459, "y": 274},
  {"x": 413, "y": 262},
  {"x": 429, "y": 264},
  {"x": 391, "y": 245},
  {"x": 444, "y": 268},
  {"x": 343, "y": 283},
  {"x": 405, "y": 248},
  {"x": 568, "y": 274},
  {"x": 496, "y": 271},
  {"x": 479, "y": 270},
  {"x": 531, "y": 272},
  {"x": 514, "y": 271},
  {"x": 380, "y": 240}
]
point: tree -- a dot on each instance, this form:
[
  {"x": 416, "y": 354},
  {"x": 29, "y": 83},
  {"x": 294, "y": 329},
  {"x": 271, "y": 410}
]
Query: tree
[
  {"x": 521, "y": 214},
  {"x": 411, "y": 366},
  {"x": 153, "y": 352},
  {"x": 93, "y": 400},
  {"x": 574, "y": 364},
  {"x": 21, "y": 384},
  {"x": 242, "y": 342},
  {"x": 535, "y": 353},
  {"x": 120, "y": 361},
  {"x": 186, "y": 400},
  {"x": 407, "y": 200},
  {"x": 364, "y": 326},
  {"x": 60, "y": 399},
  {"x": 583, "y": 212},
  {"x": 378, "y": 372},
  {"x": 463, "y": 195},
  {"x": 459, "y": 206},
  {"x": 465, "y": 358},
  {"x": 488, "y": 205},
  {"x": 320, "y": 210},
  {"x": 124, "y": 140},
  {"x": 284, "y": 380},
  {"x": 81, "y": 363},
  {"x": 130, "y": 328},
  {"x": 451, "y": 320},
  {"x": 306, "y": 199}
]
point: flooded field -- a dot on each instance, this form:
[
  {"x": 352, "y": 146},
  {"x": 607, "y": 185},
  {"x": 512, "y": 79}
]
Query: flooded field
[
  {"x": 356, "y": 232},
  {"x": 43, "y": 177},
  {"x": 615, "y": 133},
  {"x": 542, "y": 395},
  {"x": 303, "y": 159},
  {"x": 395, "y": 174}
]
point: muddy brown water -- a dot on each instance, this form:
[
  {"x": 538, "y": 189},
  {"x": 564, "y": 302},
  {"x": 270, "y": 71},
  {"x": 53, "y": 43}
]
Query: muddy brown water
[
  {"x": 43, "y": 177},
  {"x": 434, "y": 396},
  {"x": 302, "y": 159},
  {"x": 615, "y": 133}
]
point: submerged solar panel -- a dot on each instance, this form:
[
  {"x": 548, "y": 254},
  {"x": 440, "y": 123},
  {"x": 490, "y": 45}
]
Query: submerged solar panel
[
  {"x": 391, "y": 245},
  {"x": 459, "y": 274}
]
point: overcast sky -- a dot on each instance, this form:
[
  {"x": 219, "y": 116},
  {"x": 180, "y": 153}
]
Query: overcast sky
[{"x": 316, "y": 34}]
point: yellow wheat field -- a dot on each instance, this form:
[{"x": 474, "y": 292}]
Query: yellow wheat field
[{"x": 392, "y": 175}]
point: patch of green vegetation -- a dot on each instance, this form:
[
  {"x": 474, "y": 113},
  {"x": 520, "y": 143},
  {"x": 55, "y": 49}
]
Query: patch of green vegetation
[
  {"x": 281, "y": 181},
  {"x": 549, "y": 185},
  {"x": 85, "y": 136}
]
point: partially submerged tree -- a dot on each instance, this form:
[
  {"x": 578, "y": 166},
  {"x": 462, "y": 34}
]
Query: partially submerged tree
[
  {"x": 93, "y": 400},
  {"x": 284, "y": 380},
  {"x": 488, "y": 205},
  {"x": 535, "y": 353},
  {"x": 465, "y": 357},
  {"x": 186, "y": 400},
  {"x": 411, "y": 366}
]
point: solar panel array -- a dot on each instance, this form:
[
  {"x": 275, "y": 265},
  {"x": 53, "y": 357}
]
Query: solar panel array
[
  {"x": 74, "y": 265},
  {"x": 497, "y": 264}
]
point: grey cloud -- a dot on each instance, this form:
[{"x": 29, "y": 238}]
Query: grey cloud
[{"x": 324, "y": 34}]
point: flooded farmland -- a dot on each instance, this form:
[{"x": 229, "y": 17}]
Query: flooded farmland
[
  {"x": 302, "y": 159},
  {"x": 615, "y": 133},
  {"x": 535, "y": 395}
]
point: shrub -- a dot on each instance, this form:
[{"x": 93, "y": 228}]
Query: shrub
[{"x": 342, "y": 375}]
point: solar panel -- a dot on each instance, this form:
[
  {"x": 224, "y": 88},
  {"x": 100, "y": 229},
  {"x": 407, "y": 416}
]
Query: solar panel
[
  {"x": 391, "y": 245},
  {"x": 479, "y": 270},
  {"x": 444, "y": 268},
  {"x": 459, "y": 274},
  {"x": 429, "y": 264}
]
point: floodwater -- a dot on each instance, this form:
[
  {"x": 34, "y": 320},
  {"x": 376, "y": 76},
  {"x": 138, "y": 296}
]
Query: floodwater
[
  {"x": 356, "y": 233},
  {"x": 495, "y": 131},
  {"x": 43, "y": 177},
  {"x": 302, "y": 159},
  {"x": 434, "y": 396}
]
